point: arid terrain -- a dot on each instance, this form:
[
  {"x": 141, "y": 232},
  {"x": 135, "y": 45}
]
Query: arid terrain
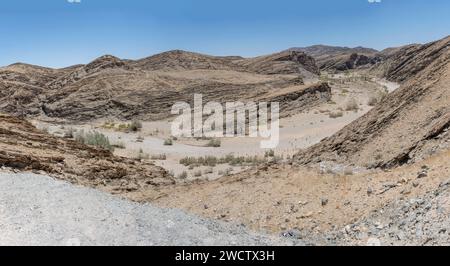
[{"x": 363, "y": 157}]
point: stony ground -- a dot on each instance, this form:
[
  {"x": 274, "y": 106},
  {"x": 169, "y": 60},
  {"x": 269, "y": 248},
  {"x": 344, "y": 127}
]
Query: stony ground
[
  {"x": 402, "y": 206},
  {"x": 39, "y": 210},
  {"x": 422, "y": 220}
]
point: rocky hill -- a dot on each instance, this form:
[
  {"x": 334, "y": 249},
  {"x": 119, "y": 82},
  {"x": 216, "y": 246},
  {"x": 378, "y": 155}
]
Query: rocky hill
[
  {"x": 335, "y": 58},
  {"x": 110, "y": 87},
  {"x": 406, "y": 126}
]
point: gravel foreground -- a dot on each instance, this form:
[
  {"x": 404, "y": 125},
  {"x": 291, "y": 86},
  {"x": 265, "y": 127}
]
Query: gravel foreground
[{"x": 39, "y": 210}]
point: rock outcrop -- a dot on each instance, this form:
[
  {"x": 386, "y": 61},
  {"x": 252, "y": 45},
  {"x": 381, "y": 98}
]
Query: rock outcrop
[{"x": 25, "y": 148}]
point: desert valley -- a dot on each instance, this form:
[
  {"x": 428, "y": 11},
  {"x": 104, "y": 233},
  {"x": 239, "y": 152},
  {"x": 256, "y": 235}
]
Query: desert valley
[{"x": 363, "y": 156}]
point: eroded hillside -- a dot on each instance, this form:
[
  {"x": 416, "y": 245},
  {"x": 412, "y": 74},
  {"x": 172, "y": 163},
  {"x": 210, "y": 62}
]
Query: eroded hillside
[
  {"x": 146, "y": 89},
  {"x": 25, "y": 148},
  {"x": 408, "y": 125}
]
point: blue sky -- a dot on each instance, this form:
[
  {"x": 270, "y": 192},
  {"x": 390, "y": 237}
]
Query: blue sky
[{"x": 59, "y": 33}]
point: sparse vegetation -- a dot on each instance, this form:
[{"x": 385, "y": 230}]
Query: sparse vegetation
[
  {"x": 352, "y": 105},
  {"x": 168, "y": 142},
  {"x": 143, "y": 156},
  {"x": 336, "y": 114},
  {"x": 183, "y": 175},
  {"x": 269, "y": 153},
  {"x": 159, "y": 157},
  {"x": 229, "y": 159},
  {"x": 134, "y": 126},
  {"x": 214, "y": 143},
  {"x": 94, "y": 138},
  {"x": 372, "y": 101}
]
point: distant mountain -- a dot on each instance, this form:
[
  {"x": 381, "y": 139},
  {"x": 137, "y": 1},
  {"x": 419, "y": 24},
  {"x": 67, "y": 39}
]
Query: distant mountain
[
  {"x": 321, "y": 50},
  {"x": 335, "y": 58},
  {"x": 110, "y": 87}
]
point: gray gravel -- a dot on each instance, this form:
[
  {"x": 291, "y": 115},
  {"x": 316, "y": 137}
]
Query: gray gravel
[
  {"x": 38, "y": 210},
  {"x": 424, "y": 220}
]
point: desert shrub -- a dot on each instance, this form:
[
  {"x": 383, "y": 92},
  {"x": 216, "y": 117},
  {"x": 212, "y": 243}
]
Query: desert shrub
[
  {"x": 186, "y": 161},
  {"x": 372, "y": 101},
  {"x": 336, "y": 114},
  {"x": 214, "y": 143},
  {"x": 161, "y": 157},
  {"x": 351, "y": 105},
  {"x": 135, "y": 126},
  {"x": 230, "y": 159},
  {"x": 94, "y": 138},
  {"x": 123, "y": 127},
  {"x": 143, "y": 156},
  {"x": 269, "y": 153},
  {"x": 183, "y": 175},
  {"x": 109, "y": 125}
]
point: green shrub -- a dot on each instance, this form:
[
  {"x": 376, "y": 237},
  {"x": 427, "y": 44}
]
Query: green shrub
[
  {"x": 135, "y": 126},
  {"x": 94, "y": 138},
  {"x": 214, "y": 143},
  {"x": 269, "y": 153}
]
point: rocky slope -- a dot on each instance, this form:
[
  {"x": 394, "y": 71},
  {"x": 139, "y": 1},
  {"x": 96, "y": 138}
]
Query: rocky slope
[
  {"x": 409, "y": 124},
  {"x": 25, "y": 148},
  {"x": 403, "y": 63},
  {"x": 146, "y": 89}
]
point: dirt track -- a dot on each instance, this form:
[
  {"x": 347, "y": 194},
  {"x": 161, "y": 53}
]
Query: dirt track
[{"x": 38, "y": 210}]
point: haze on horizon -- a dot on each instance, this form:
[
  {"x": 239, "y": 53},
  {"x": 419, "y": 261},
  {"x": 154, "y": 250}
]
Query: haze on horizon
[{"x": 61, "y": 33}]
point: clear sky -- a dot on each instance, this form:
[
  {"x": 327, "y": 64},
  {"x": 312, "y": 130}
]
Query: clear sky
[{"x": 60, "y": 33}]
